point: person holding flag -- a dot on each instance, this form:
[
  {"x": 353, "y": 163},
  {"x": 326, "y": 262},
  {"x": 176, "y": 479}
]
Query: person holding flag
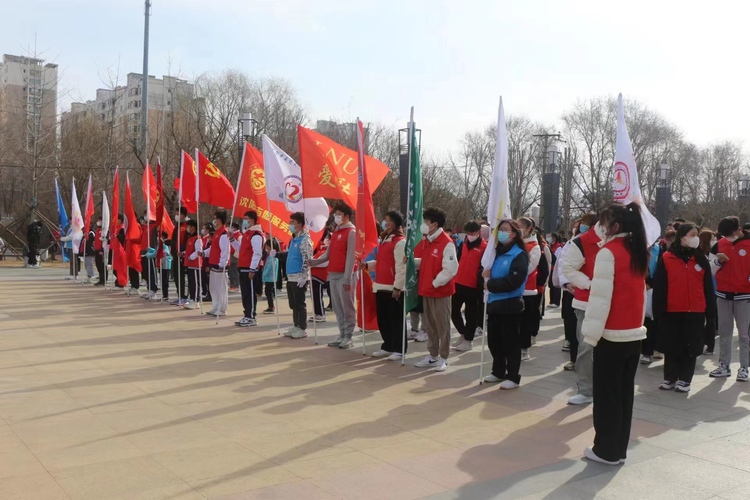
[
  {"x": 298, "y": 259},
  {"x": 342, "y": 275},
  {"x": 218, "y": 257},
  {"x": 150, "y": 241},
  {"x": 468, "y": 287},
  {"x": 178, "y": 246},
  {"x": 193, "y": 262},
  {"x": 249, "y": 249},
  {"x": 98, "y": 247}
]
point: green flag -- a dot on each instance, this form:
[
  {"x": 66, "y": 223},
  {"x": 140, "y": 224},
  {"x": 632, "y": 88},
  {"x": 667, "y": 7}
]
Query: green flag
[{"x": 413, "y": 220}]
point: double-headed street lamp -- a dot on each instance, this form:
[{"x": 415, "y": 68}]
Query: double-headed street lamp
[{"x": 247, "y": 128}]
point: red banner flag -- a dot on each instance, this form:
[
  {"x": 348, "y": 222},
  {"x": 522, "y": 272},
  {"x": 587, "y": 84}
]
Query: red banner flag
[
  {"x": 367, "y": 228},
  {"x": 119, "y": 264},
  {"x": 89, "y": 210},
  {"x": 165, "y": 223},
  {"x": 213, "y": 186},
  {"x": 185, "y": 183},
  {"x": 132, "y": 231},
  {"x": 331, "y": 170},
  {"x": 149, "y": 192},
  {"x": 370, "y": 305},
  {"x": 251, "y": 195}
]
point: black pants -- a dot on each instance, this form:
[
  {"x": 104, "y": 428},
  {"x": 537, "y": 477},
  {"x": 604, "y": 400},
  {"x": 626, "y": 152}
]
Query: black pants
[
  {"x": 317, "y": 291},
  {"x": 73, "y": 262},
  {"x": 270, "y": 294},
  {"x": 249, "y": 299},
  {"x": 178, "y": 275},
  {"x": 555, "y": 295},
  {"x": 149, "y": 273},
  {"x": 32, "y": 255},
  {"x": 531, "y": 319},
  {"x": 164, "y": 282},
  {"x": 204, "y": 283},
  {"x": 465, "y": 297},
  {"x": 390, "y": 321},
  {"x": 99, "y": 262},
  {"x": 135, "y": 278},
  {"x": 710, "y": 333},
  {"x": 570, "y": 323},
  {"x": 297, "y": 304},
  {"x": 648, "y": 344},
  {"x": 679, "y": 368},
  {"x": 193, "y": 276},
  {"x": 503, "y": 338},
  {"x": 615, "y": 364}
]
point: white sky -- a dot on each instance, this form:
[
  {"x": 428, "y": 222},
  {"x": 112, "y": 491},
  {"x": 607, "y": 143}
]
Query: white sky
[{"x": 449, "y": 59}]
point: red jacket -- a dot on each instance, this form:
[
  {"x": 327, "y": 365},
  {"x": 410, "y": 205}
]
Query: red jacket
[
  {"x": 531, "y": 279},
  {"x": 98, "y": 243},
  {"x": 385, "y": 265},
  {"x": 189, "y": 250},
  {"x": 245, "y": 257},
  {"x": 588, "y": 243},
  {"x": 685, "y": 290},
  {"x": 431, "y": 265},
  {"x": 215, "y": 257},
  {"x": 628, "y": 293},
  {"x": 469, "y": 264},
  {"x": 338, "y": 249},
  {"x": 320, "y": 273},
  {"x": 734, "y": 276}
]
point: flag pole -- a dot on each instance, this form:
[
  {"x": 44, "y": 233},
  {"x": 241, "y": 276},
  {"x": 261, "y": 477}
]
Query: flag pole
[
  {"x": 86, "y": 236},
  {"x": 148, "y": 231},
  {"x": 408, "y": 201},
  {"x": 270, "y": 234},
  {"x": 484, "y": 338},
  {"x": 198, "y": 223}
]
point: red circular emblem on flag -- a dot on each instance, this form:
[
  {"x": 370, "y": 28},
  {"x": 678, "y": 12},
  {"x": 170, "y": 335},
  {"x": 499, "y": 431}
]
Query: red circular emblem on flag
[{"x": 621, "y": 184}]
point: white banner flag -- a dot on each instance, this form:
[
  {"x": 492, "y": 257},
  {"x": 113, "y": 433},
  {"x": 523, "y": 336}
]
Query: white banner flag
[
  {"x": 498, "y": 207},
  {"x": 625, "y": 177},
  {"x": 105, "y": 215},
  {"x": 76, "y": 221},
  {"x": 284, "y": 184}
]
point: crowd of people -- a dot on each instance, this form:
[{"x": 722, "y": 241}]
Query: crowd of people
[{"x": 624, "y": 301}]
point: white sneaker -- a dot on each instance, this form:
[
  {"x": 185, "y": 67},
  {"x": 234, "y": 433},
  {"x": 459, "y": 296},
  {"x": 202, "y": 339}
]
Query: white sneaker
[
  {"x": 667, "y": 385},
  {"x": 569, "y": 366},
  {"x": 299, "y": 334},
  {"x": 525, "y": 355},
  {"x": 290, "y": 331},
  {"x": 491, "y": 379},
  {"x": 427, "y": 362},
  {"x": 464, "y": 346},
  {"x": 458, "y": 341},
  {"x": 442, "y": 365},
  {"x": 742, "y": 375},
  {"x": 508, "y": 385},
  {"x": 381, "y": 354},
  {"x": 657, "y": 355},
  {"x": 580, "y": 399},
  {"x": 721, "y": 372},
  {"x": 346, "y": 344},
  {"x": 478, "y": 332},
  {"x": 317, "y": 319},
  {"x": 337, "y": 342},
  {"x": 533, "y": 340},
  {"x": 412, "y": 335},
  {"x": 646, "y": 360},
  {"x": 190, "y": 305},
  {"x": 588, "y": 452},
  {"x": 421, "y": 336},
  {"x": 682, "y": 386},
  {"x": 245, "y": 321},
  {"x": 396, "y": 356}
]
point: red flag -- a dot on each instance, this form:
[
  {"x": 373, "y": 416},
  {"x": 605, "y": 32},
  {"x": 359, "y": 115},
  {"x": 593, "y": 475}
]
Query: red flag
[
  {"x": 118, "y": 253},
  {"x": 371, "y": 309},
  {"x": 331, "y": 170},
  {"x": 367, "y": 232},
  {"x": 185, "y": 184},
  {"x": 149, "y": 192},
  {"x": 89, "y": 210},
  {"x": 251, "y": 195},
  {"x": 132, "y": 231},
  {"x": 165, "y": 223},
  {"x": 213, "y": 187}
]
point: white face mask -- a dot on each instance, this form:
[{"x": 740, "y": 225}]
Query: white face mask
[
  {"x": 472, "y": 237},
  {"x": 337, "y": 219},
  {"x": 177, "y": 218},
  {"x": 691, "y": 242},
  {"x": 424, "y": 228},
  {"x": 98, "y": 224}
]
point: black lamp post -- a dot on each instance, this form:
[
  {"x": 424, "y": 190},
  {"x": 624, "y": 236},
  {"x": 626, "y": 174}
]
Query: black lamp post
[
  {"x": 663, "y": 196},
  {"x": 247, "y": 128},
  {"x": 551, "y": 191}
]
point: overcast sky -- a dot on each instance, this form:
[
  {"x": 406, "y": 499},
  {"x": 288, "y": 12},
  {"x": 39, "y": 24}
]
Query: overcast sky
[{"x": 450, "y": 59}]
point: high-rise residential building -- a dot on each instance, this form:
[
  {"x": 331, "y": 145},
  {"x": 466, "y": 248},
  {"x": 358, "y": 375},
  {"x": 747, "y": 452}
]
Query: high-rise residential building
[{"x": 28, "y": 100}]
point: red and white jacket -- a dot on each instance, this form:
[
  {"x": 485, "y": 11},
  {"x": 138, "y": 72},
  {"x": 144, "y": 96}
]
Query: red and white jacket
[
  {"x": 535, "y": 254},
  {"x": 578, "y": 266},
  {"x": 390, "y": 268}
]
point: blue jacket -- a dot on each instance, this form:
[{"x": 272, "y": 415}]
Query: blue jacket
[
  {"x": 270, "y": 270},
  {"x": 508, "y": 281}
]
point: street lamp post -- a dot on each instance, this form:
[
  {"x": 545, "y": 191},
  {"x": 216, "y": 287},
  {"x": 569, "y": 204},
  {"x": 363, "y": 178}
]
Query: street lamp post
[
  {"x": 551, "y": 191},
  {"x": 743, "y": 196},
  {"x": 663, "y": 196},
  {"x": 247, "y": 128}
]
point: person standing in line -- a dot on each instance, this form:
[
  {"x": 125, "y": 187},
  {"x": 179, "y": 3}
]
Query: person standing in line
[
  {"x": 555, "y": 292},
  {"x": 707, "y": 242},
  {"x": 683, "y": 288},
  {"x": 207, "y": 234},
  {"x": 178, "y": 243},
  {"x": 614, "y": 326},
  {"x": 531, "y": 297},
  {"x": 578, "y": 268},
  {"x": 437, "y": 269},
  {"x": 149, "y": 239},
  {"x": 218, "y": 258},
  {"x": 568, "y": 313},
  {"x": 99, "y": 252},
  {"x": 270, "y": 272},
  {"x": 120, "y": 235},
  {"x": 233, "y": 272},
  {"x": 89, "y": 253},
  {"x": 193, "y": 263},
  {"x": 250, "y": 253},
  {"x": 390, "y": 275},
  {"x": 298, "y": 259},
  {"x": 341, "y": 274},
  {"x": 33, "y": 237},
  {"x": 469, "y": 286},
  {"x": 165, "y": 267},
  {"x": 506, "y": 282},
  {"x": 732, "y": 273},
  {"x": 320, "y": 279}
]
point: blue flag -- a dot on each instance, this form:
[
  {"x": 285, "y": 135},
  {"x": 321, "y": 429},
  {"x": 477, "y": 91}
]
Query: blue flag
[{"x": 63, "y": 217}]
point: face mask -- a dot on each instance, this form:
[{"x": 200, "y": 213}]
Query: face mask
[
  {"x": 98, "y": 224},
  {"x": 472, "y": 237},
  {"x": 337, "y": 219},
  {"x": 292, "y": 229},
  {"x": 177, "y": 218},
  {"x": 204, "y": 232},
  {"x": 691, "y": 242},
  {"x": 503, "y": 237},
  {"x": 424, "y": 228},
  {"x": 245, "y": 225},
  {"x": 383, "y": 225},
  {"x": 215, "y": 223},
  {"x": 549, "y": 240},
  {"x": 583, "y": 228}
]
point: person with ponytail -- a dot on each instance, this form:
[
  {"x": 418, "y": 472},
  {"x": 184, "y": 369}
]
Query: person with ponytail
[
  {"x": 506, "y": 282},
  {"x": 683, "y": 293},
  {"x": 614, "y": 326},
  {"x": 531, "y": 298}
]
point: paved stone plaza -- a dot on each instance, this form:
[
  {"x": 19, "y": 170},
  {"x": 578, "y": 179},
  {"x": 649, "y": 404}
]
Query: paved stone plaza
[{"x": 106, "y": 396}]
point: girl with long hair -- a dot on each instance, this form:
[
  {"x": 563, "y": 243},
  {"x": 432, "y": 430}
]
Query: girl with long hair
[{"x": 707, "y": 240}]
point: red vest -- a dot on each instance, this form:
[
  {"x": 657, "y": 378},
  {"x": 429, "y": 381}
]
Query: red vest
[
  {"x": 531, "y": 279},
  {"x": 468, "y": 266},
  {"x": 685, "y": 292},
  {"x": 385, "y": 265},
  {"x": 189, "y": 250},
  {"x": 179, "y": 233},
  {"x": 337, "y": 250},
  {"x": 98, "y": 243},
  {"x": 246, "y": 249},
  {"x": 734, "y": 275},
  {"x": 589, "y": 242},
  {"x": 215, "y": 257},
  {"x": 432, "y": 265},
  {"x": 629, "y": 291},
  {"x": 147, "y": 236},
  {"x": 320, "y": 273}
]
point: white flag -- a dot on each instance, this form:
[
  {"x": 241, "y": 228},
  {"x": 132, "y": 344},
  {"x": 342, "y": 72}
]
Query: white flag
[
  {"x": 625, "y": 177},
  {"x": 76, "y": 221},
  {"x": 498, "y": 207},
  {"x": 284, "y": 184},
  {"x": 105, "y": 215}
]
